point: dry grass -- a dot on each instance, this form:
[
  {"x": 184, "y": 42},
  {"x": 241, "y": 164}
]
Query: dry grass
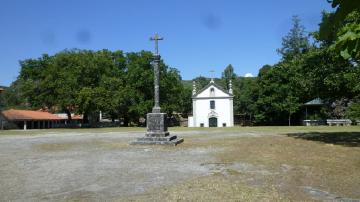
[
  {"x": 256, "y": 129},
  {"x": 327, "y": 167},
  {"x": 93, "y": 144},
  {"x": 210, "y": 188},
  {"x": 274, "y": 168}
]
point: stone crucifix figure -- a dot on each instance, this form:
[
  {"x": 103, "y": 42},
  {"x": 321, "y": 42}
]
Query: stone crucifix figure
[{"x": 156, "y": 108}]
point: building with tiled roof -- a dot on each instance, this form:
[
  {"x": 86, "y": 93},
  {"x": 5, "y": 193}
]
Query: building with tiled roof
[
  {"x": 28, "y": 119},
  {"x": 23, "y": 115}
]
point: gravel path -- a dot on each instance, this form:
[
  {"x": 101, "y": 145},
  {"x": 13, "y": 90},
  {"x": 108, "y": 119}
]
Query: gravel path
[{"x": 89, "y": 166}]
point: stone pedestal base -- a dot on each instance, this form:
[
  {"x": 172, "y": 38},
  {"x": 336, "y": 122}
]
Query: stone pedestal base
[{"x": 157, "y": 132}]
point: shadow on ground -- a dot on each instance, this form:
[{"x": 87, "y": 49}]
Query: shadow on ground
[{"x": 350, "y": 139}]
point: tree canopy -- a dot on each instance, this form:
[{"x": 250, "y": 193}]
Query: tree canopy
[
  {"x": 82, "y": 81},
  {"x": 344, "y": 24}
]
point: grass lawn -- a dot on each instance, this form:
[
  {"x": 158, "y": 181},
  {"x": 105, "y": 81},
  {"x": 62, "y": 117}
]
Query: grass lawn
[
  {"x": 298, "y": 164},
  {"x": 262, "y": 129}
]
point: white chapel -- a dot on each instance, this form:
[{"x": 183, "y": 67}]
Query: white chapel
[{"x": 212, "y": 106}]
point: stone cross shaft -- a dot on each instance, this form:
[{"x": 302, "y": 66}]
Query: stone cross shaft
[{"x": 156, "y": 108}]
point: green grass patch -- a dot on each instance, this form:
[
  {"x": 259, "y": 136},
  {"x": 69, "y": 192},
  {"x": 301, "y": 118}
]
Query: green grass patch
[{"x": 255, "y": 129}]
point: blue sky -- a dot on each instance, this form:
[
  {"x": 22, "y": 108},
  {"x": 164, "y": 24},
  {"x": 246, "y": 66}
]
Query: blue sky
[{"x": 199, "y": 35}]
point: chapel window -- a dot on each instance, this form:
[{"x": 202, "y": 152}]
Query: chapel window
[
  {"x": 212, "y": 92},
  {"x": 212, "y": 104}
]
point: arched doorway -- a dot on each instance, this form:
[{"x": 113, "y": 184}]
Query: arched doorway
[{"x": 213, "y": 122}]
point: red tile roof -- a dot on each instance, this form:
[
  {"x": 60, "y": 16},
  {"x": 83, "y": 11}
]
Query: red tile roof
[
  {"x": 19, "y": 115},
  {"x": 77, "y": 117}
]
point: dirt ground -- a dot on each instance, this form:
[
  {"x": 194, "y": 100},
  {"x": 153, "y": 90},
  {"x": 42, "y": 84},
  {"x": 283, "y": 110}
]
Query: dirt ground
[{"x": 235, "y": 164}]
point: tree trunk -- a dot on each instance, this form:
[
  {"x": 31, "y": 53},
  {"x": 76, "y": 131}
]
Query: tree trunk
[
  {"x": 289, "y": 119},
  {"x": 85, "y": 118},
  {"x": 68, "y": 113},
  {"x": 250, "y": 120},
  {"x": 126, "y": 121},
  {"x": 93, "y": 118}
]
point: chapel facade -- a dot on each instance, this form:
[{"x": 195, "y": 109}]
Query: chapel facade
[{"x": 212, "y": 106}]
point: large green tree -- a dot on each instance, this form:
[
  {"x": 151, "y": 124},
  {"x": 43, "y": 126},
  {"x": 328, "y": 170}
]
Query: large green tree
[
  {"x": 245, "y": 95},
  {"x": 295, "y": 42},
  {"x": 87, "y": 82},
  {"x": 228, "y": 75},
  {"x": 280, "y": 88}
]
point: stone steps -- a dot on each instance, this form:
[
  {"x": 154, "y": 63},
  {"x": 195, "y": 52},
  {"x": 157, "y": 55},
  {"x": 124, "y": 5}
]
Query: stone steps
[
  {"x": 157, "y": 133},
  {"x": 168, "y": 138},
  {"x": 171, "y": 140}
]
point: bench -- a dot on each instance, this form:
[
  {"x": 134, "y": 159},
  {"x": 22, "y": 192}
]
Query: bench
[
  {"x": 339, "y": 122},
  {"x": 313, "y": 122}
]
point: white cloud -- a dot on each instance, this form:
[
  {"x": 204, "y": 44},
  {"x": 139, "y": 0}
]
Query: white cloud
[{"x": 249, "y": 75}]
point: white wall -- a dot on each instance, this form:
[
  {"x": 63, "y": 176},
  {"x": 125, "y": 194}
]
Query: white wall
[
  {"x": 190, "y": 121},
  {"x": 222, "y": 109},
  {"x": 217, "y": 93}
]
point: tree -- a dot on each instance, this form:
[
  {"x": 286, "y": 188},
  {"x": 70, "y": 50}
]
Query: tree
[
  {"x": 13, "y": 98},
  {"x": 295, "y": 42},
  {"x": 345, "y": 22},
  {"x": 279, "y": 92},
  {"x": 264, "y": 70},
  {"x": 327, "y": 75},
  {"x": 172, "y": 92},
  {"x": 353, "y": 111},
  {"x": 291, "y": 105},
  {"x": 245, "y": 91},
  {"x": 86, "y": 82},
  {"x": 90, "y": 101},
  {"x": 328, "y": 37},
  {"x": 201, "y": 82},
  {"x": 186, "y": 101},
  {"x": 227, "y": 75},
  {"x": 2, "y": 99}
]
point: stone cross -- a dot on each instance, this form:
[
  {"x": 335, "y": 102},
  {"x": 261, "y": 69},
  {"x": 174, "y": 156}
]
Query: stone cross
[
  {"x": 156, "y": 122},
  {"x": 156, "y": 108},
  {"x": 156, "y": 38},
  {"x": 212, "y": 75}
]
